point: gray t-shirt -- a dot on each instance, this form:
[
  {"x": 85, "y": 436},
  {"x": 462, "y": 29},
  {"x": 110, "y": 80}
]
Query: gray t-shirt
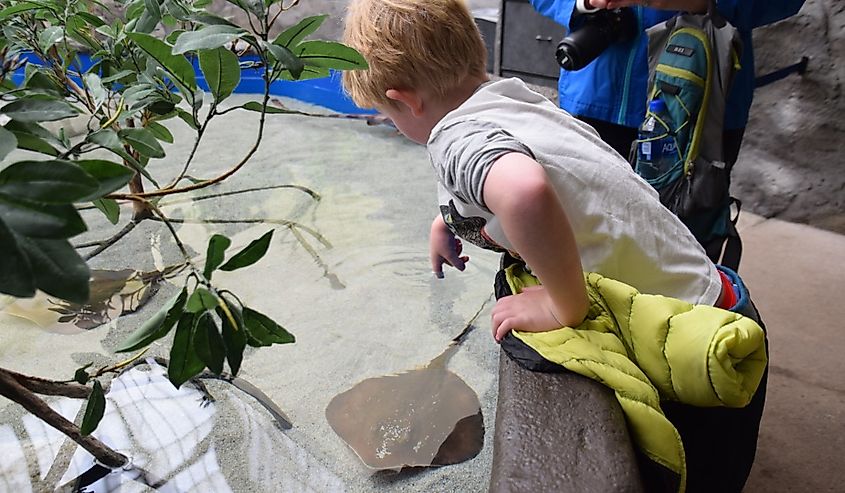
[{"x": 622, "y": 230}]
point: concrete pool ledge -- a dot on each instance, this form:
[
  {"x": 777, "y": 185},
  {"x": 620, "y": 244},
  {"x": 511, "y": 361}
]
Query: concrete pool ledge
[{"x": 559, "y": 432}]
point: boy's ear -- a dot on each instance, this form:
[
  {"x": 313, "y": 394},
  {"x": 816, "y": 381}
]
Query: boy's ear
[{"x": 407, "y": 97}]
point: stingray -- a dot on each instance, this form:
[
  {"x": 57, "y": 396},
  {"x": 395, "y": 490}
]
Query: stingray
[{"x": 418, "y": 418}]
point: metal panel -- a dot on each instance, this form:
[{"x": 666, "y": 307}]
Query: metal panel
[{"x": 528, "y": 43}]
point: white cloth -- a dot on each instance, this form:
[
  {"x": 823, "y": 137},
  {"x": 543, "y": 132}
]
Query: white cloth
[{"x": 622, "y": 230}]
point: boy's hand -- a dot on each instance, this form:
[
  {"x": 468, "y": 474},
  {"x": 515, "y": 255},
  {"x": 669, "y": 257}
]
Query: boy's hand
[
  {"x": 529, "y": 311},
  {"x": 444, "y": 248}
]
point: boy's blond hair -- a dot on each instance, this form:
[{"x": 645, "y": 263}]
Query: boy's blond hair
[{"x": 428, "y": 45}]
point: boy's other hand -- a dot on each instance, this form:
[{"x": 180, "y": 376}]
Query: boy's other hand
[
  {"x": 528, "y": 311},
  {"x": 444, "y": 248}
]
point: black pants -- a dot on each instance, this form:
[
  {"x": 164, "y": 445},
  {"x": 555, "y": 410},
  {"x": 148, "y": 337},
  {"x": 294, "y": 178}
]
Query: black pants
[{"x": 720, "y": 443}]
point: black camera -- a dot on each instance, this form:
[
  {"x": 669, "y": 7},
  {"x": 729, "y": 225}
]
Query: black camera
[{"x": 596, "y": 32}]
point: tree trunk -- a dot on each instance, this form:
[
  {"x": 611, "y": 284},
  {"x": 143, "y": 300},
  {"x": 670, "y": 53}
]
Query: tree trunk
[{"x": 140, "y": 210}]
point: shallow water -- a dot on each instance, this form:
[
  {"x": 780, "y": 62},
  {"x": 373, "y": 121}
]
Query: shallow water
[{"x": 351, "y": 280}]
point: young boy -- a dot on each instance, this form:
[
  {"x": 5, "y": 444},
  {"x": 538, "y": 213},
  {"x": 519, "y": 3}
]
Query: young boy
[{"x": 517, "y": 174}]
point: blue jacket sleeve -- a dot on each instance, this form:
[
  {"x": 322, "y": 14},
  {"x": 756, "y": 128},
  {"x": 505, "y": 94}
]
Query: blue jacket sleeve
[
  {"x": 749, "y": 14},
  {"x": 558, "y": 10}
]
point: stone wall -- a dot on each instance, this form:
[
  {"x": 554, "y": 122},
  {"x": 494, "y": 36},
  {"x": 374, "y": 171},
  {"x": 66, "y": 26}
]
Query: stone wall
[{"x": 791, "y": 164}]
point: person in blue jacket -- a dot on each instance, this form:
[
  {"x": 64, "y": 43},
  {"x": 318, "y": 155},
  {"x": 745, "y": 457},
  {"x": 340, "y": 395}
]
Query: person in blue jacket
[{"x": 611, "y": 92}]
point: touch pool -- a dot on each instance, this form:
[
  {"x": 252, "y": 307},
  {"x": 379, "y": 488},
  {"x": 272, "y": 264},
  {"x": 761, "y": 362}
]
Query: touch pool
[{"x": 353, "y": 285}]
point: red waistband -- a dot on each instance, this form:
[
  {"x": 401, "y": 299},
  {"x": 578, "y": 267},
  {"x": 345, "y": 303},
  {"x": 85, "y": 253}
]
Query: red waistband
[{"x": 728, "y": 292}]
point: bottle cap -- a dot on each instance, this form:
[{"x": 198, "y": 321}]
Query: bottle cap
[{"x": 657, "y": 105}]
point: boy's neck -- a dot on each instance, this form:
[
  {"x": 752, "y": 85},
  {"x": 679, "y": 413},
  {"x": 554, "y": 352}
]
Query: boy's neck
[{"x": 439, "y": 109}]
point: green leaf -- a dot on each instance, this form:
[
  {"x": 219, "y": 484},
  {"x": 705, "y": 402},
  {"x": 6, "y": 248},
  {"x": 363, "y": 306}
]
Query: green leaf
[
  {"x": 34, "y": 137},
  {"x": 109, "y": 208},
  {"x": 50, "y": 36},
  {"x": 116, "y": 77},
  {"x": 293, "y": 35},
  {"x": 91, "y": 19},
  {"x": 330, "y": 54},
  {"x": 40, "y": 220},
  {"x": 95, "y": 410},
  {"x": 256, "y": 7},
  {"x": 134, "y": 9},
  {"x": 251, "y": 254},
  {"x": 221, "y": 70},
  {"x": 160, "y": 131},
  {"x": 108, "y": 138},
  {"x": 201, "y": 300},
  {"x": 15, "y": 275},
  {"x": 153, "y": 8},
  {"x": 207, "y": 38},
  {"x": 156, "y": 326},
  {"x": 49, "y": 182},
  {"x": 177, "y": 66},
  {"x": 284, "y": 56},
  {"x": 162, "y": 107},
  {"x": 187, "y": 118},
  {"x": 110, "y": 176},
  {"x": 169, "y": 21},
  {"x": 35, "y": 144},
  {"x": 215, "y": 253},
  {"x": 177, "y": 9},
  {"x": 234, "y": 337},
  {"x": 39, "y": 108},
  {"x": 184, "y": 361},
  {"x": 8, "y": 142},
  {"x": 58, "y": 270},
  {"x": 208, "y": 343},
  {"x": 138, "y": 94},
  {"x": 18, "y": 8},
  {"x": 18, "y": 128},
  {"x": 309, "y": 72},
  {"x": 210, "y": 19},
  {"x": 143, "y": 141},
  {"x": 261, "y": 330},
  {"x": 95, "y": 87},
  {"x": 256, "y": 106},
  {"x": 44, "y": 81},
  {"x": 146, "y": 23}
]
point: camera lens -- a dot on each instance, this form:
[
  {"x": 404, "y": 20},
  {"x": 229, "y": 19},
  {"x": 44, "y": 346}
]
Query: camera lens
[{"x": 598, "y": 31}]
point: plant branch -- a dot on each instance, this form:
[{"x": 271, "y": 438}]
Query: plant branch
[
  {"x": 200, "y": 133},
  {"x": 212, "y": 181},
  {"x": 105, "y": 244},
  {"x": 314, "y": 195},
  {"x": 13, "y": 390},
  {"x": 49, "y": 387}
]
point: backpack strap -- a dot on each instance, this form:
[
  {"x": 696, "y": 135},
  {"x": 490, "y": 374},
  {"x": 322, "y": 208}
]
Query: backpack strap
[{"x": 733, "y": 245}]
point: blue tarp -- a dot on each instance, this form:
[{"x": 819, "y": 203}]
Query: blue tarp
[{"x": 325, "y": 92}]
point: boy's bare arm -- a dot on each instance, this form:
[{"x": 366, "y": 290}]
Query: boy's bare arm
[
  {"x": 517, "y": 190},
  {"x": 444, "y": 248}
]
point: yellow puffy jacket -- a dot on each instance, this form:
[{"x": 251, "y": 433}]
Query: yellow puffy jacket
[{"x": 649, "y": 348}]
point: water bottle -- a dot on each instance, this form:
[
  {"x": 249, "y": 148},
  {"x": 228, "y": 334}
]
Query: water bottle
[{"x": 657, "y": 151}]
